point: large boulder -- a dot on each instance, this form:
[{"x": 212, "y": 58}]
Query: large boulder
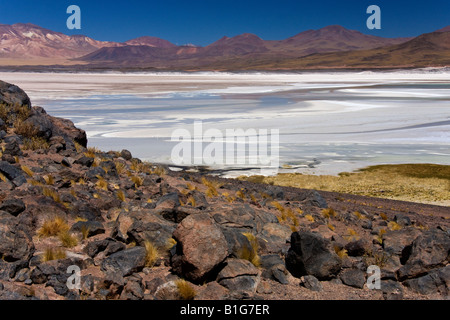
[
  {"x": 437, "y": 281},
  {"x": 149, "y": 226},
  {"x": 395, "y": 242},
  {"x": 429, "y": 251},
  {"x": 15, "y": 242},
  {"x": 201, "y": 247},
  {"x": 12, "y": 95},
  {"x": 310, "y": 198},
  {"x": 311, "y": 254},
  {"x": 47, "y": 126}
]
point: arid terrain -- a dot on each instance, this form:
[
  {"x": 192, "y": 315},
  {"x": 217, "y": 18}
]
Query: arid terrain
[{"x": 140, "y": 231}]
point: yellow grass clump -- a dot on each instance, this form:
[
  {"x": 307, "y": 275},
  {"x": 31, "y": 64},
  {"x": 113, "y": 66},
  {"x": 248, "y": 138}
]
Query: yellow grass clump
[
  {"x": 151, "y": 254},
  {"x": 185, "y": 290},
  {"x": 53, "y": 227},
  {"x": 53, "y": 254},
  {"x": 251, "y": 254}
]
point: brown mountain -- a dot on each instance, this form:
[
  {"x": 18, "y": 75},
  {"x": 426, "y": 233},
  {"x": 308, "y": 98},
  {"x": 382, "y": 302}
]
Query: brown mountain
[
  {"x": 330, "y": 39},
  {"x": 329, "y": 47},
  {"x": 243, "y": 44},
  {"x": 446, "y": 29},
  {"x": 151, "y": 42},
  {"x": 431, "y": 49},
  {"x": 246, "y": 46},
  {"x": 31, "y": 41}
]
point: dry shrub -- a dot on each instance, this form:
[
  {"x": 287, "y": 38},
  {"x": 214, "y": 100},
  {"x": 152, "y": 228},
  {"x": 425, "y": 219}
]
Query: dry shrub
[
  {"x": 185, "y": 290},
  {"x": 151, "y": 254},
  {"x": 53, "y": 227}
]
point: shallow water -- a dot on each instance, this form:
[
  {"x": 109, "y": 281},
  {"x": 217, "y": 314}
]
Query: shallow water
[{"x": 328, "y": 123}]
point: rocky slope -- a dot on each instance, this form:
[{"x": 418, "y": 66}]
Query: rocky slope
[{"x": 139, "y": 231}]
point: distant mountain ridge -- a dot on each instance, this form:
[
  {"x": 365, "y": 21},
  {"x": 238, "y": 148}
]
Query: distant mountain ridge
[
  {"x": 244, "y": 46},
  {"x": 331, "y": 46}
]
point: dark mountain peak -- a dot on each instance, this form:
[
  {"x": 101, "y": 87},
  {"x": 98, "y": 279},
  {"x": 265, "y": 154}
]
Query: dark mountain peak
[
  {"x": 151, "y": 42},
  {"x": 445, "y": 29},
  {"x": 334, "y": 28},
  {"x": 248, "y": 38}
]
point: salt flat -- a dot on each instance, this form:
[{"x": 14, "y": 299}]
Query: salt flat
[{"x": 332, "y": 122}]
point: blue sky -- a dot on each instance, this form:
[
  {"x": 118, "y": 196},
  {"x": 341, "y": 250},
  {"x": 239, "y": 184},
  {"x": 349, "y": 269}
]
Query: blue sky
[{"x": 203, "y": 22}]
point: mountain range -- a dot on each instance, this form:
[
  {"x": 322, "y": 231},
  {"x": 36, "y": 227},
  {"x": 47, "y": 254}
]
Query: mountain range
[{"x": 329, "y": 47}]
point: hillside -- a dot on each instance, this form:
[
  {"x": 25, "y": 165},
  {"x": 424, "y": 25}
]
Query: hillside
[{"x": 431, "y": 49}]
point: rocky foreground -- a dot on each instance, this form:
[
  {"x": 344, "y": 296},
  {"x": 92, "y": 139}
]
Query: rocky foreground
[{"x": 139, "y": 231}]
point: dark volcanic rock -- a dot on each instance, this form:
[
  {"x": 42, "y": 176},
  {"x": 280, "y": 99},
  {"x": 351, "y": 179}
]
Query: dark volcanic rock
[
  {"x": 311, "y": 254},
  {"x": 394, "y": 242},
  {"x": 12, "y": 95},
  {"x": 15, "y": 240},
  {"x": 91, "y": 227},
  {"x": 126, "y": 154},
  {"x": 13, "y": 174},
  {"x": 356, "y": 248},
  {"x": 353, "y": 278},
  {"x": 392, "y": 290},
  {"x": 430, "y": 250},
  {"x": 311, "y": 198},
  {"x": 13, "y": 206},
  {"x": 125, "y": 262},
  {"x": 239, "y": 275},
  {"x": 149, "y": 226},
  {"x": 437, "y": 281},
  {"x": 311, "y": 283}
]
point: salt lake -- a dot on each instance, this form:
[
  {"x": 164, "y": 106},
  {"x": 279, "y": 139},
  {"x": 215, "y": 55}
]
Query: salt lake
[{"x": 328, "y": 122}]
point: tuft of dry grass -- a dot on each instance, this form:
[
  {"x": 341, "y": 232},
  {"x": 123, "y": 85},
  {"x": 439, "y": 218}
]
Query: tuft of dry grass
[
  {"x": 121, "y": 195},
  {"x": 250, "y": 254},
  {"x": 27, "y": 170},
  {"x": 67, "y": 239},
  {"x": 52, "y": 194},
  {"x": 151, "y": 254},
  {"x": 328, "y": 213},
  {"x": 138, "y": 181},
  {"x": 101, "y": 183},
  {"x": 342, "y": 253},
  {"x": 191, "y": 201},
  {"x": 53, "y": 227},
  {"x": 185, "y": 290},
  {"x": 49, "y": 180},
  {"x": 84, "y": 232},
  {"x": 212, "y": 187},
  {"x": 53, "y": 254},
  {"x": 35, "y": 143},
  {"x": 120, "y": 167},
  {"x": 394, "y": 226},
  {"x": 380, "y": 235},
  {"x": 25, "y": 129},
  {"x": 352, "y": 235}
]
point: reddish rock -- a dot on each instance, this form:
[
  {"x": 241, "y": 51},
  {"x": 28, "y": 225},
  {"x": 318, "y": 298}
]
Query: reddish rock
[{"x": 201, "y": 247}]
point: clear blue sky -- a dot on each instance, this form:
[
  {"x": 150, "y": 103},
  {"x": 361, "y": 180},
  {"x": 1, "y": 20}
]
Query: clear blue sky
[{"x": 203, "y": 22}]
